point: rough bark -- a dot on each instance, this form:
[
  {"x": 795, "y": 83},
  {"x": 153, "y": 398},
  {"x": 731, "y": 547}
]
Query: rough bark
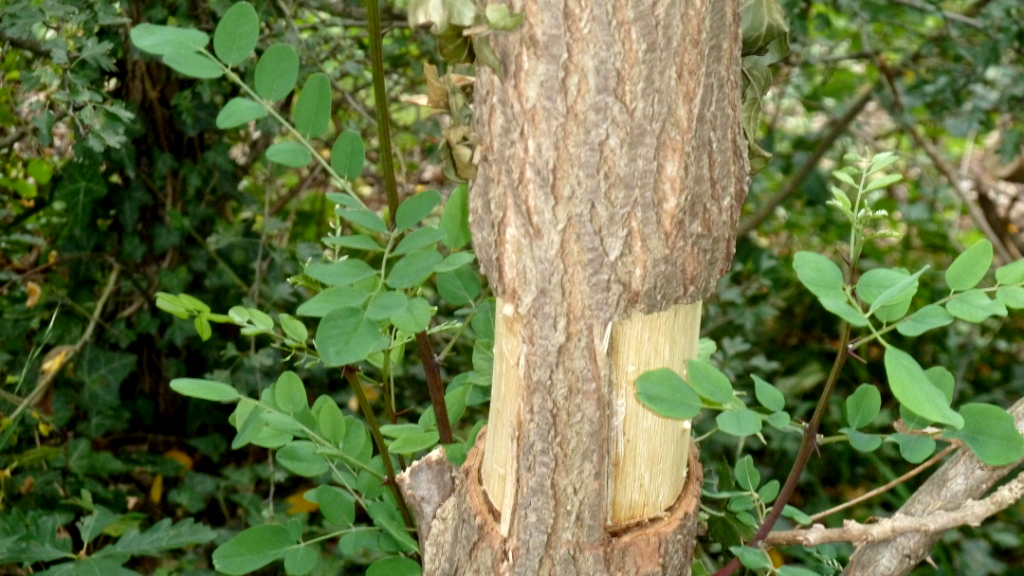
[
  {"x": 612, "y": 171},
  {"x": 963, "y": 477}
]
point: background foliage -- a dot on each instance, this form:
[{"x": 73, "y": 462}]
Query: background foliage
[{"x": 114, "y": 169}]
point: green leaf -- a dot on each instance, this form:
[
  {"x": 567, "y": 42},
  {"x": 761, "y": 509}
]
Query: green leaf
[
  {"x": 709, "y": 381},
  {"x": 343, "y": 273},
  {"x": 355, "y": 241},
  {"x": 746, "y": 474},
  {"x": 455, "y": 261},
  {"x": 974, "y": 306},
  {"x": 460, "y": 286},
  {"x": 991, "y": 434},
  {"x": 819, "y": 274},
  {"x": 161, "y": 40},
  {"x": 300, "y": 457},
  {"x": 365, "y": 218},
  {"x": 778, "y": 420},
  {"x": 863, "y": 406},
  {"x": 742, "y": 422},
  {"x": 205, "y": 389},
  {"x": 301, "y": 560},
  {"x": 970, "y": 267},
  {"x": 289, "y": 393},
  {"x": 769, "y": 491},
  {"x": 337, "y": 506},
  {"x": 455, "y": 218},
  {"x": 943, "y": 380},
  {"x": 346, "y": 336},
  {"x": 415, "y": 317},
  {"x": 239, "y": 111},
  {"x": 160, "y": 537},
  {"x": 193, "y": 65},
  {"x": 767, "y": 395},
  {"x": 796, "y": 515},
  {"x": 664, "y": 392},
  {"x": 912, "y": 388},
  {"x": 277, "y": 72},
  {"x": 312, "y": 112},
  {"x": 260, "y": 319},
  {"x": 288, "y": 153},
  {"x": 236, "y": 34},
  {"x": 348, "y": 155},
  {"x": 293, "y": 327},
  {"x": 172, "y": 305},
  {"x": 330, "y": 422},
  {"x": 386, "y": 516},
  {"x": 395, "y": 566},
  {"x": 385, "y": 304},
  {"x": 752, "y": 558},
  {"x": 252, "y": 549},
  {"x": 790, "y": 570},
  {"x": 203, "y": 327},
  {"x": 1012, "y": 273},
  {"x": 416, "y": 208},
  {"x": 862, "y": 441},
  {"x": 888, "y": 291},
  {"x": 914, "y": 448},
  {"x": 413, "y": 268},
  {"x": 411, "y": 443},
  {"x": 341, "y": 297},
  {"x": 1011, "y": 296},
  {"x": 925, "y": 319},
  {"x": 419, "y": 238},
  {"x": 883, "y": 181}
]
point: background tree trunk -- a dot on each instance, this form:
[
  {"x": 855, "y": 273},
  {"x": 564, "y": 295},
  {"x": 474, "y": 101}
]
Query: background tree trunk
[{"x": 612, "y": 173}]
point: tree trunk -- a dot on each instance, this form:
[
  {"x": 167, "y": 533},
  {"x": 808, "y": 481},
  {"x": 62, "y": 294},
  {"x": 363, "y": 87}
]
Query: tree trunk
[{"x": 611, "y": 177}]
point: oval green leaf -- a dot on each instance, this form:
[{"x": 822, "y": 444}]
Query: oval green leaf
[
  {"x": 664, "y": 392},
  {"x": 160, "y": 40},
  {"x": 990, "y": 433},
  {"x": 291, "y": 154},
  {"x": 767, "y": 395},
  {"x": 346, "y": 336},
  {"x": 863, "y": 406},
  {"x": 252, "y": 549},
  {"x": 277, "y": 72},
  {"x": 708, "y": 381},
  {"x": 416, "y": 208},
  {"x": 455, "y": 218},
  {"x": 927, "y": 318},
  {"x": 460, "y": 286},
  {"x": 343, "y": 273},
  {"x": 413, "y": 268},
  {"x": 193, "y": 65},
  {"x": 205, "y": 389},
  {"x": 348, "y": 155},
  {"x": 300, "y": 457},
  {"x": 974, "y": 306},
  {"x": 312, "y": 111},
  {"x": 236, "y": 34},
  {"x": 239, "y": 111},
  {"x": 396, "y": 566},
  {"x": 912, "y": 388},
  {"x": 289, "y": 393},
  {"x": 970, "y": 267},
  {"x": 742, "y": 422}
]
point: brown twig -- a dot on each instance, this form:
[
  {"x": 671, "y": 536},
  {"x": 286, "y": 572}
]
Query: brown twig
[
  {"x": 971, "y": 513},
  {"x": 435, "y": 387}
]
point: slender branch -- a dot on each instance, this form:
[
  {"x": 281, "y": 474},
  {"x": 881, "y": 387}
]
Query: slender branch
[
  {"x": 380, "y": 99},
  {"x": 770, "y": 539},
  {"x": 971, "y": 513},
  {"x": 951, "y": 16},
  {"x": 803, "y": 456},
  {"x": 352, "y": 377},
  {"x": 46, "y": 378},
  {"x": 433, "y": 371}
]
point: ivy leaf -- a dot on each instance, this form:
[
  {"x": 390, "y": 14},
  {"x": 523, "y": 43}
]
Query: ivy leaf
[
  {"x": 911, "y": 387},
  {"x": 236, "y": 34},
  {"x": 970, "y": 267},
  {"x": 991, "y": 434},
  {"x": 277, "y": 72},
  {"x": 668, "y": 395}
]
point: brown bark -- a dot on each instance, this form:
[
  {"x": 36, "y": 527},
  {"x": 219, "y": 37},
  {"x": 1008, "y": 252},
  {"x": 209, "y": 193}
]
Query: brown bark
[
  {"x": 612, "y": 173},
  {"x": 962, "y": 478}
]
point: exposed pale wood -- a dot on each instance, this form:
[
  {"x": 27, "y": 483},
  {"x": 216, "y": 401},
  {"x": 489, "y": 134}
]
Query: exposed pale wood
[
  {"x": 649, "y": 451},
  {"x": 499, "y": 459}
]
